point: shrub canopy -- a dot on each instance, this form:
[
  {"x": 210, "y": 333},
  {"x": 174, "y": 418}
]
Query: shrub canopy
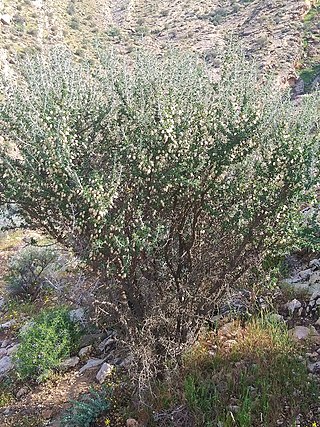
[{"x": 172, "y": 186}]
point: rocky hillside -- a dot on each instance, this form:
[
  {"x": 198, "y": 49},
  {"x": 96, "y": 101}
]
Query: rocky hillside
[{"x": 280, "y": 33}]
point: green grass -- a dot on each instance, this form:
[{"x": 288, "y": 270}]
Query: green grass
[{"x": 248, "y": 383}]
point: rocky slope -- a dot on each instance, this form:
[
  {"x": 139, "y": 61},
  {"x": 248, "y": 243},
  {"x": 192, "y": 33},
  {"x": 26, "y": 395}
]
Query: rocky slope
[{"x": 271, "y": 30}]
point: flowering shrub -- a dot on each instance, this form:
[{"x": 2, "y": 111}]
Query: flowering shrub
[{"x": 171, "y": 186}]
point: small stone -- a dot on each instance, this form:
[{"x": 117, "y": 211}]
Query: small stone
[
  {"x": 315, "y": 295},
  {"x": 305, "y": 274},
  {"x": 131, "y": 422},
  {"x": 8, "y": 325},
  {"x": 2, "y": 302},
  {"x": 313, "y": 357},
  {"x": 314, "y": 278},
  {"x": 300, "y": 332},
  {"x": 85, "y": 352},
  {"x": 5, "y": 365},
  {"x": 314, "y": 263},
  {"x": 314, "y": 368},
  {"x": 92, "y": 363},
  {"x": 312, "y": 303},
  {"x": 6, "y": 19},
  {"x": 69, "y": 363},
  {"x": 318, "y": 322},
  {"x": 293, "y": 305},
  {"x": 23, "y": 391},
  {"x": 5, "y": 343},
  {"x": 104, "y": 372}
]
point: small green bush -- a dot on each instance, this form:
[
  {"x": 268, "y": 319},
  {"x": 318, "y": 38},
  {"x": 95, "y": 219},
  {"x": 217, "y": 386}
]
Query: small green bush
[
  {"x": 87, "y": 409},
  {"x": 29, "y": 269},
  {"x": 51, "y": 338}
]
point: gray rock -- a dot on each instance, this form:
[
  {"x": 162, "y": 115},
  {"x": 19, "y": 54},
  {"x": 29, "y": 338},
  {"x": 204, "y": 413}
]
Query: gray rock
[
  {"x": 276, "y": 317},
  {"x": 314, "y": 278},
  {"x": 8, "y": 325},
  {"x": 314, "y": 263},
  {"x": 104, "y": 372},
  {"x": 313, "y": 357},
  {"x": 5, "y": 365},
  {"x": 315, "y": 295},
  {"x": 305, "y": 274},
  {"x": 314, "y": 368},
  {"x": 78, "y": 315},
  {"x": 92, "y": 363},
  {"x": 293, "y": 305},
  {"x": 85, "y": 352},
  {"x": 300, "y": 332},
  {"x": 70, "y": 363},
  {"x": 6, "y": 19},
  {"x": 2, "y": 303},
  {"x": 318, "y": 322}
]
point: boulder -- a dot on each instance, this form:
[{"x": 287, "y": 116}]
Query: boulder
[
  {"x": 131, "y": 422},
  {"x": 69, "y": 363},
  {"x": 85, "y": 351},
  {"x": 302, "y": 333},
  {"x": 104, "y": 372},
  {"x": 6, "y": 19},
  {"x": 5, "y": 365},
  {"x": 92, "y": 363}
]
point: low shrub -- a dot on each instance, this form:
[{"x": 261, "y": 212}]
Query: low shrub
[
  {"x": 50, "y": 338},
  {"x": 88, "y": 408},
  {"x": 29, "y": 270}
]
